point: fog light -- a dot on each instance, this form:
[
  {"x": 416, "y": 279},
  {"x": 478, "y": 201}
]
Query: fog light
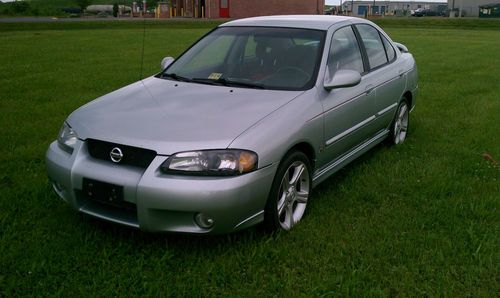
[{"x": 204, "y": 221}]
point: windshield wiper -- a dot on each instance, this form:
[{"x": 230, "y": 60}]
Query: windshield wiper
[
  {"x": 228, "y": 82},
  {"x": 209, "y": 81},
  {"x": 175, "y": 77}
]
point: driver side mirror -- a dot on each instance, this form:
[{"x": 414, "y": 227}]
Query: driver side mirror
[
  {"x": 343, "y": 78},
  {"x": 166, "y": 62}
]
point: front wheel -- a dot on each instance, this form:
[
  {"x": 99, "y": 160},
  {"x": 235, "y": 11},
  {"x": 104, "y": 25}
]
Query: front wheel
[
  {"x": 399, "y": 126},
  {"x": 290, "y": 192}
]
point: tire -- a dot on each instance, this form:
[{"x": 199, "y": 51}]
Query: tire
[
  {"x": 400, "y": 124},
  {"x": 289, "y": 193}
]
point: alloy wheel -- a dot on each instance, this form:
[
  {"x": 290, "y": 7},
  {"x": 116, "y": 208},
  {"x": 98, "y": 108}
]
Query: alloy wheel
[
  {"x": 401, "y": 124},
  {"x": 293, "y": 195}
]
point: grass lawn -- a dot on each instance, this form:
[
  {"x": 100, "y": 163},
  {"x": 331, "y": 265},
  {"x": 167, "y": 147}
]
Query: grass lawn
[{"x": 420, "y": 219}]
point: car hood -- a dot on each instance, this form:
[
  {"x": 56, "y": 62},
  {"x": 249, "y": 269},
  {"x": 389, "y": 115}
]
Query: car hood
[{"x": 169, "y": 116}]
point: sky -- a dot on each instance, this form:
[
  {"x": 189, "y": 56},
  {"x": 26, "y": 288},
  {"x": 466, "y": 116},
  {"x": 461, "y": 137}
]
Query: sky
[
  {"x": 337, "y": 2},
  {"x": 331, "y": 2}
]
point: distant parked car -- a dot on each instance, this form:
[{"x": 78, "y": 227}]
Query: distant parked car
[
  {"x": 420, "y": 12},
  {"x": 239, "y": 129}
]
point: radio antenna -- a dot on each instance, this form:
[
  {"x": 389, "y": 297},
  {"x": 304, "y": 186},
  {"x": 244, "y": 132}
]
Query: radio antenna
[{"x": 143, "y": 41}]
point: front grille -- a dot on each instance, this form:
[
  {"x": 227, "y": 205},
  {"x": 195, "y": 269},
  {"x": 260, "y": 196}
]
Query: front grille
[{"x": 132, "y": 156}]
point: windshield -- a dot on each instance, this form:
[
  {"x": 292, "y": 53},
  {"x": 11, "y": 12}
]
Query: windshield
[{"x": 252, "y": 57}]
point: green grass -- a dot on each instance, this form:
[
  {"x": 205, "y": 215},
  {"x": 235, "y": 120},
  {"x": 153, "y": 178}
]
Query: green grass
[
  {"x": 421, "y": 219},
  {"x": 137, "y": 24},
  {"x": 438, "y": 22}
]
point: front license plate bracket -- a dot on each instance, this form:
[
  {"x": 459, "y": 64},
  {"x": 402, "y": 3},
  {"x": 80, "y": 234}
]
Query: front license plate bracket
[{"x": 103, "y": 192}]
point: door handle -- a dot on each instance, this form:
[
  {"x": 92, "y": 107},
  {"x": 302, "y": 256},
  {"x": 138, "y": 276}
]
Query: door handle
[
  {"x": 401, "y": 72},
  {"x": 369, "y": 89}
]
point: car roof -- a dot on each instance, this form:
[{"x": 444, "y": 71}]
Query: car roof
[{"x": 318, "y": 22}]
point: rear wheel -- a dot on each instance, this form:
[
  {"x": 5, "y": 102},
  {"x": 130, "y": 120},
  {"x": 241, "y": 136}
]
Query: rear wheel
[
  {"x": 290, "y": 192},
  {"x": 399, "y": 126}
]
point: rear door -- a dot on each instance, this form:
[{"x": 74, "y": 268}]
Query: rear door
[{"x": 385, "y": 77}]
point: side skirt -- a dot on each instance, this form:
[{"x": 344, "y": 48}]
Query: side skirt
[{"x": 321, "y": 174}]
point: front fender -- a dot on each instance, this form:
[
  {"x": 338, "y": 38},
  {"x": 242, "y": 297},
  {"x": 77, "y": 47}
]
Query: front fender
[{"x": 298, "y": 121}]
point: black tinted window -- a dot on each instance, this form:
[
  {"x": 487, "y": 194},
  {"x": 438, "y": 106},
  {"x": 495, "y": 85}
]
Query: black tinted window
[
  {"x": 344, "y": 52},
  {"x": 373, "y": 45}
]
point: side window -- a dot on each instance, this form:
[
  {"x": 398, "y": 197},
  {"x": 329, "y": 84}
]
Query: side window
[
  {"x": 373, "y": 45},
  {"x": 344, "y": 52},
  {"x": 389, "y": 50},
  {"x": 250, "y": 48}
]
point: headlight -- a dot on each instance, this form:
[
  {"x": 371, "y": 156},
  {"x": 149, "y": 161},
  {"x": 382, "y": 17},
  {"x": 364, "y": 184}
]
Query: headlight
[
  {"x": 211, "y": 162},
  {"x": 67, "y": 138}
]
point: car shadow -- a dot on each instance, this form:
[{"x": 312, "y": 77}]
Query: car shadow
[
  {"x": 182, "y": 242},
  {"x": 340, "y": 176}
]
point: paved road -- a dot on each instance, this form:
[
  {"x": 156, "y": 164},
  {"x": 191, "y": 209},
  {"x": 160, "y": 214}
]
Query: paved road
[{"x": 53, "y": 19}]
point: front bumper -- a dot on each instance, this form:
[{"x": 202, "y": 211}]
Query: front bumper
[{"x": 162, "y": 203}]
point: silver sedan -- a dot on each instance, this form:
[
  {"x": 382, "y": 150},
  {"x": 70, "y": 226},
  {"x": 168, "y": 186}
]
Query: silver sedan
[{"x": 239, "y": 129}]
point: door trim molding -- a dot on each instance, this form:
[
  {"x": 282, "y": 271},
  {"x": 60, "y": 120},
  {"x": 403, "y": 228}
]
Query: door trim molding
[
  {"x": 350, "y": 154},
  {"x": 359, "y": 125},
  {"x": 349, "y": 130}
]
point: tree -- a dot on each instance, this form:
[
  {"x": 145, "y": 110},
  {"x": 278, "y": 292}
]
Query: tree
[
  {"x": 83, "y": 3},
  {"x": 115, "y": 9},
  {"x": 20, "y": 7}
]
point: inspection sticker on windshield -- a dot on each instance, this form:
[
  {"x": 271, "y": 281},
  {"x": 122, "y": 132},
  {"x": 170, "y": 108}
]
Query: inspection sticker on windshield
[{"x": 215, "y": 76}]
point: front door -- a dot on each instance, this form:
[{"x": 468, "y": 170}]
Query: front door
[
  {"x": 349, "y": 112},
  {"x": 224, "y": 8}
]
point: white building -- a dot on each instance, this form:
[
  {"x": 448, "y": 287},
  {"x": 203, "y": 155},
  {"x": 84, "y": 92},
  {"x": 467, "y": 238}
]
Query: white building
[
  {"x": 470, "y": 7},
  {"x": 370, "y": 7}
]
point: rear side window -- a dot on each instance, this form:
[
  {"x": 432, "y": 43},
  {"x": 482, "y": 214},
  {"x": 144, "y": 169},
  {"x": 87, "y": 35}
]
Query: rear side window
[
  {"x": 344, "y": 52},
  {"x": 373, "y": 44},
  {"x": 389, "y": 50}
]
